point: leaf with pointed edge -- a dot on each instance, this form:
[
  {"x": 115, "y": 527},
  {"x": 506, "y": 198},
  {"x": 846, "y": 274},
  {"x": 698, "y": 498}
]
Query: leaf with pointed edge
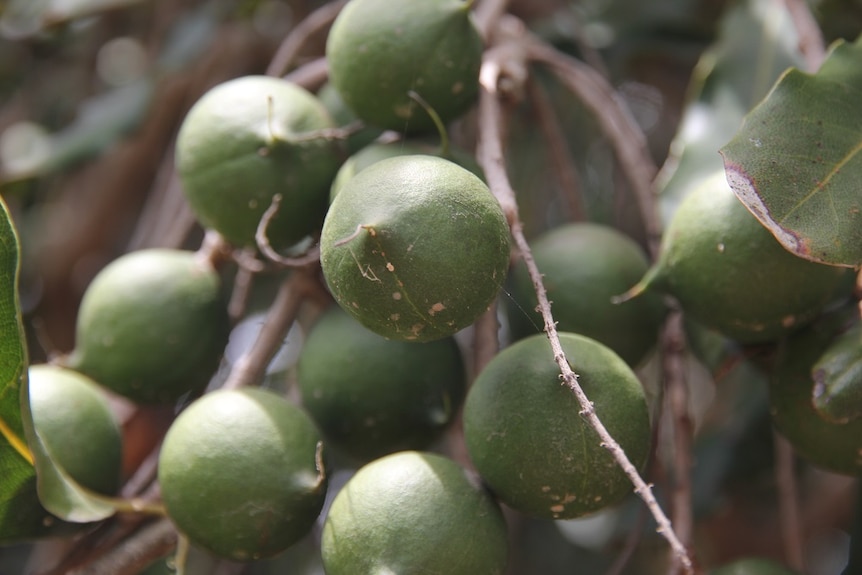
[
  {"x": 756, "y": 43},
  {"x": 797, "y": 160},
  {"x": 30, "y": 483},
  {"x": 21, "y": 515}
]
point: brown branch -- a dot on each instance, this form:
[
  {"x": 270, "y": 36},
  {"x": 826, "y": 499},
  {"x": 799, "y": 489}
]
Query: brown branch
[
  {"x": 558, "y": 148},
  {"x": 178, "y": 218},
  {"x": 311, "y": 75},
  {"x": 616, "y": 122},
  {"x": 130, "y": 557},
  {"x": 630, "y": 546},
  {"x": 490, "y": 156},
  {"x": 251, "y": 367},
  {"x": 293, "y": 43},
  {"x": 789, "y": 516},
  {"x": 811, "y": 43},
  {"x": 214, "y": 250},
  {"x": 486, "y": 344},
  {"x": 242, "y": 283},
  {"x": 486, "y": 16},
  {"x": 164, "y": 206},
  {"x": 673, "y": 348}
]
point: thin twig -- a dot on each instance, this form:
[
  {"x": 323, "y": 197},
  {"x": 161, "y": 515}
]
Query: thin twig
[
  {"x": 486, "y": 344},
  {"x": 673, "y": 347},
  {"x": 626, "y": 137},
  {"x": 811, "y": 43},
  {"x": 178, "y": 218},
  {"x": 630, "y": 546},
  {"x": 133, "y": 555},
  {"x": 789, "y": 515},
  {"x": 311, "y": 75},
  {"x": 309, "y": 257},
  {"x": 242, "y": 283},
  {"x": 161, "y": 205},
  {"x": 293, "y": 43},
  {"x": 487, "y": 14},
  {"x": 490, "y": 156},
  {"x": 587, "y": 51},
  {"x": 144, "y": 475},
  {"x": 214, "y": 250},
  {"x": 558, "y": 148},
  {"x": 251, "y": 367}
]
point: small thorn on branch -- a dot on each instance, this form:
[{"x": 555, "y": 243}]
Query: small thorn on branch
[{"x": 490, "y": 156}]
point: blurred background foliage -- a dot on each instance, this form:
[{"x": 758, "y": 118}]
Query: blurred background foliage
[{"x": 93, "y": 91}]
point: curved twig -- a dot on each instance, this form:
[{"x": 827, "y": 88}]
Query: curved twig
[
  {"x": 311, "y": 75},
  {"x": 309, "y": 257},
  {"x": 617, "y": 124},
  {"x": 315, "y": 22}
]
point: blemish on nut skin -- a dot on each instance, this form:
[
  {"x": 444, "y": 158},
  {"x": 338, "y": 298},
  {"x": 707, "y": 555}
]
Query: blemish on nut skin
[
  {"x": 263, "y": 152},
  {"x": 788, "y": 321},
  {"x": 457, "y": 87},
  {"x": 390, "y": 267},
  {"x": 354, "y": 304},
  {"x": 396, "y": 295},
  {"x": 395, "y": 317},
  {"x": 436, "y": 308},
  {"x": 405, "y": 111},
  {"x": 252, "y": 204},
  {"x": 546, "y": 488},
  {"x": 558, "y": 508},
  {"x": 720, "y": 248}
]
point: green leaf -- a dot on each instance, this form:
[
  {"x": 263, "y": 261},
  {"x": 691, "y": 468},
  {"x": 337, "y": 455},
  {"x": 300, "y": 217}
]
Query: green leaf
[
  {"x": 756, "y": 43},
  {"x": 797, "y": 160},
  {"x": 32, "y": 487},
  {"x": 838, "y": 378},
  {"x": 21, "y": 516}
]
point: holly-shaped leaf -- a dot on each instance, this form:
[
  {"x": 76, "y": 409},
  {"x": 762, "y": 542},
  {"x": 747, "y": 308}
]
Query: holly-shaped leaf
[
  {"x": 797, "y": 160},
  {"x": 34, "y": 491}
]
